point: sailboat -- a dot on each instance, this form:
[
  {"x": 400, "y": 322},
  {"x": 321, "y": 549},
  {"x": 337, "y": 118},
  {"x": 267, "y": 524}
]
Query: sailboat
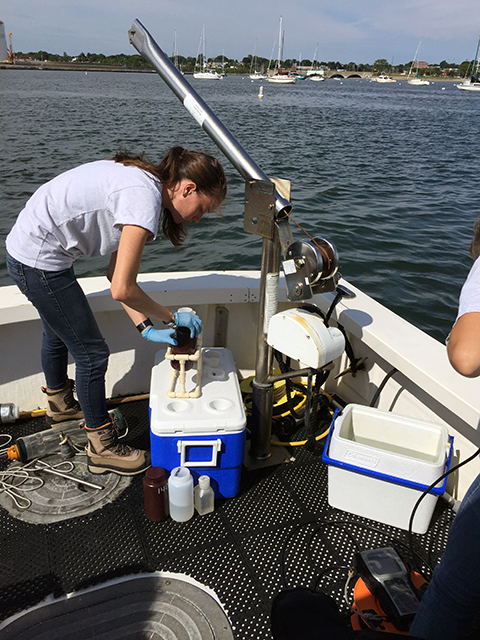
[
  {"x": 277, "y": 77},
  {"x": 314, "y": 72},
  {"x": 473, "y": 83},
  {"x": 300, "y": 75},
  {"x": 417, "y": 80},
  {"x": 204, "y": 74},
  {"x": 175, "y": 54},
  {"x": 255, "y": 74}
]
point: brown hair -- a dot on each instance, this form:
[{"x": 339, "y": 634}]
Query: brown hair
[
  {"x": 177, "y": 165},
  {"x": 475, "y": 246}
]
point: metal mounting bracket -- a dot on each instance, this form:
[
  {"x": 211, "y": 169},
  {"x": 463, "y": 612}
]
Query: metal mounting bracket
[{"x": 259, "y": 216}]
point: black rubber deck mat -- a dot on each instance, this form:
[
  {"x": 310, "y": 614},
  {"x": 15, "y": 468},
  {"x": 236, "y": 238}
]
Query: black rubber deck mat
[{"x": 279, "y": 532}]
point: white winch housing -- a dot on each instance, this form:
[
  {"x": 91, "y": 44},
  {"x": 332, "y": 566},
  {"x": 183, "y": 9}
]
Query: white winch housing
[{"x": 303, "y": 336}]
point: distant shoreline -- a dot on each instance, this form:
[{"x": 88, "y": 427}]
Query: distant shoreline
[
  {"x": 86, "y": 67},
  {"x": 70, "y": 66}
]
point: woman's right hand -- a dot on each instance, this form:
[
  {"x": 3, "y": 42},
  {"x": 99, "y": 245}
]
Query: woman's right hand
[
  {"x": 157, "y": 335},
  {"x": 189, "y": 320}
]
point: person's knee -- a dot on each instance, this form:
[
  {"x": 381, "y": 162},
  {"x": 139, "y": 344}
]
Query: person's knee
[{"x": 94, "y": 357}]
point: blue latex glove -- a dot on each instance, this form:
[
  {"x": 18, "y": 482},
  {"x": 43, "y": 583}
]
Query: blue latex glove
[
  {"x": 189, "y": 320},
  {"x": 157, "y": 335}
]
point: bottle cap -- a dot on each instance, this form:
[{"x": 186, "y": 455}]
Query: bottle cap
[
  {"x": 155, "y": 473},
  {"x": 204, "y": 482},
  {"x": 180, "y": 475}
]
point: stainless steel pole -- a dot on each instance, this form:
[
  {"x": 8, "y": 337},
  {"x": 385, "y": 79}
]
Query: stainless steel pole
[
  {"x": 225, "y": 141},
  {"x": 262, "y": 389}
]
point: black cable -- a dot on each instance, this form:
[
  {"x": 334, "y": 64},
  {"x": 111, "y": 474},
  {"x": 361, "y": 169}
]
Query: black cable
[
  {"x": 289, "y": 386},
  {"x": 382, "y": 385},
  {"x": 343, "y": 524},
  {"x": 312, "y": 395},
  {"x": 442, "y": 477},
  {"x": 326, "y": 318}
]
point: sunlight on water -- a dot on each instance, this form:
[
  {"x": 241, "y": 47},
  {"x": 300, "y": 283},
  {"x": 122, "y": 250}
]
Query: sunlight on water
[{"x": 387, "y": 172}]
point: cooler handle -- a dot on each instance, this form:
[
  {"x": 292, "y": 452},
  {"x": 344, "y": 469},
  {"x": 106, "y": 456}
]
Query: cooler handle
[{"x": 182, "y": 449}]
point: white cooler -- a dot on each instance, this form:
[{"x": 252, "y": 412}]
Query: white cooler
[{"x": 381, "y": 462}]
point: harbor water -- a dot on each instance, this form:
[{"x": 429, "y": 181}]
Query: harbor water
[{"x": 387, "y": 172}]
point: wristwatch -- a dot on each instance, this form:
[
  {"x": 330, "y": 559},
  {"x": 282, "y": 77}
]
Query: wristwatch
[
  {"x": 173, "y": 322},
  {"x": 143, "y": 325}
]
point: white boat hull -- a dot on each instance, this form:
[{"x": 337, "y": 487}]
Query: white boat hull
[
  {"x": 469, "y": 86},
  {"x": 282, "y": 79},
  {"x": 425, "y": 387},
  {"x": 383, "y": 79},
  {"x": 206, "y": 75},
  {"x": 418, "y": 82}
]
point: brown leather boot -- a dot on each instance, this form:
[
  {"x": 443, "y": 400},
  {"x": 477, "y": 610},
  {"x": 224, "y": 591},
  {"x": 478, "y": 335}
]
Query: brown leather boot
[
  {"x": 105, "y": 453},
  {"x": 62, "y": 405}
]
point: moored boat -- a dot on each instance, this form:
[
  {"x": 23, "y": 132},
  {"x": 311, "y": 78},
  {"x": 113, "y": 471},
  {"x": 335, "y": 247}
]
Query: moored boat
[
  {"x": 416, "y": 80},
  {"x": 280, "y": 76},
  {"x": 202, "y": 72},
  {"x": 472, "y": 83},
  {"x": 383, "y": 78}
]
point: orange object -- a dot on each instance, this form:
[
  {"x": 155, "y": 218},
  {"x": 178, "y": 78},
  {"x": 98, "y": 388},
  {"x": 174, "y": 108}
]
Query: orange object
[
  {"x": 13, "y": 453},
  {"x": 366, "y": 603}
]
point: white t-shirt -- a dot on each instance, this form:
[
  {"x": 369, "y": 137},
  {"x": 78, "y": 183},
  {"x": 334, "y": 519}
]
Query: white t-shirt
[
  {"x": 82, "y": 212},
  {"x": 470, "y": 294}
]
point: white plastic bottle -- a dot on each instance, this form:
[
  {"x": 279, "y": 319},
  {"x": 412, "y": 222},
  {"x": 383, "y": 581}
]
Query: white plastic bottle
[
  {"x": 204, "y": 496},
  {"x": 180, "y": 494}
]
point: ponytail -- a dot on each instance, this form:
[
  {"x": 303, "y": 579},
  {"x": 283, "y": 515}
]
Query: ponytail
[{"x": 177, "y": 165}]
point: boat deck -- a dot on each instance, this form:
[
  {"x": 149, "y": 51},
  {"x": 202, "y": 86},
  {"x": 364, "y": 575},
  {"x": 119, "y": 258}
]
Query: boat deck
[{"x": 279, "y": 532}]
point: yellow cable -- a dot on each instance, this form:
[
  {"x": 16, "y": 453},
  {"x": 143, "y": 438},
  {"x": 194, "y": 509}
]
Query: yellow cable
[{"x": 299, "y": 442}]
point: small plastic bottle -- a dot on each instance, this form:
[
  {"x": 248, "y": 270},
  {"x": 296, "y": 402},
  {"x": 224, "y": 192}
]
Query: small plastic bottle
[
  {"x": 204, "y": 496},
  {"x": 155, "y": 494},
  {"x": 180, "y": 494}
]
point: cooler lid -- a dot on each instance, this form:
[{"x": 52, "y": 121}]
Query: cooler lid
[{"x": 219, "y": 407}]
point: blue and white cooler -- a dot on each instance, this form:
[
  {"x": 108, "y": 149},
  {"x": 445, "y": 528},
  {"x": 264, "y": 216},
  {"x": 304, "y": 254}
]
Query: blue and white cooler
[{"x": 205, "y": 433}]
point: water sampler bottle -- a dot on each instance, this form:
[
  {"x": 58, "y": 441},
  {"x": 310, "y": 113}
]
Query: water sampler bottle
[
  {"x": 180, "y": 494},
  {"x": 186, "y": 344},
  {"x": 55, "y": 439},
  {"x": 204, "y": 496}
]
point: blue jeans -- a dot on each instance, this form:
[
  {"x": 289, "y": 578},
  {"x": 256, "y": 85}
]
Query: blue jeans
[
  {"x": 68, "y": 327},
  {"x": 453, "y": 595}
]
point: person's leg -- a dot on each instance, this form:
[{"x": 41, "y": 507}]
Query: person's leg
[
  {"x": 69, "y": 322},
  {"x": 54, "y": 357},
  {"x": 61, "y": 403},
  {"x": 69, "y": 325},
  {"x": 452, "y": 598}
]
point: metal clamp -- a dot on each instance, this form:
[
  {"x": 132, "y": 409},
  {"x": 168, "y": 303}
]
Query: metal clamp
[{"x": 182, "y": 450}]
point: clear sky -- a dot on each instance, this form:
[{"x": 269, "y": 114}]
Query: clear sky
[{"x": 358, "y": 31}]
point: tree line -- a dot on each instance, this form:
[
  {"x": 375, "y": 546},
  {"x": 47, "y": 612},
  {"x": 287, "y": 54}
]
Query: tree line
[{"x": 231, "y": 65}]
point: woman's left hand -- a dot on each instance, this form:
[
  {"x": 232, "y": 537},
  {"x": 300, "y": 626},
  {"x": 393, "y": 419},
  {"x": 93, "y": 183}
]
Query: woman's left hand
[{"x": 190, "y": 320}]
